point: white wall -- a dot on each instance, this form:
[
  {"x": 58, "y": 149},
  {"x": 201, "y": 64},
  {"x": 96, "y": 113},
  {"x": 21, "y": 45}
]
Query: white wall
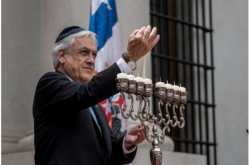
[
  {"x": 54, "y": 16},
  {"x": 231, "y": 88},
  {"x": 19, "y": 69}
]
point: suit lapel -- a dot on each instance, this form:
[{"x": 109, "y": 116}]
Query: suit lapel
[{"x": 103, "y": 122}]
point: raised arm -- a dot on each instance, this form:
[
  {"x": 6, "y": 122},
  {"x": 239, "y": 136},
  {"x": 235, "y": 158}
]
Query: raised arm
[{"x": 56, "y": 92}]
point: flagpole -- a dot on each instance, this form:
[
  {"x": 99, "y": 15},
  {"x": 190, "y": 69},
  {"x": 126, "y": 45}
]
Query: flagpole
[{"x": 143, "y": 67}]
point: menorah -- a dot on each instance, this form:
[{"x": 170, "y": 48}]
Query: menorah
[{"x": 164, "y": 94}]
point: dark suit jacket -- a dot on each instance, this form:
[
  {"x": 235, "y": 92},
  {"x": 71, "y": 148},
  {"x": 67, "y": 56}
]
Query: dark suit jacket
[{"x": 65, "y": 132}]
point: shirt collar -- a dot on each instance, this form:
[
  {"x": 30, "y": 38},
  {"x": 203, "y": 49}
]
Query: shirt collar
[
  {"x": 65, "y": 75},
  {"x": 68, "y": 77}
]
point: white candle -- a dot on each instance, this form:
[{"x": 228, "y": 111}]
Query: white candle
[
  {"x": 143, "y": 67},
  {"x": 169, "y": 86},
  {"x": 121, "y": 75},
  {"x": 139, "y": 79},
  {"x": 147, "y": 81},
  {"x": 182, "y": 89},
  {"x": 160, "y": 84},
  {"x": 131, "y": 77},
  {"x": 175, "y": 87}
]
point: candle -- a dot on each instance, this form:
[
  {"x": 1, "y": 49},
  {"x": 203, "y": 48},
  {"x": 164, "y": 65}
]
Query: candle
[
  {"x": 131, "y": 77},
  {"x": 175, "y": 87},
  {"x": 182, "y": 89},
  {"x": 169, "y": 86},
  {"x": 160, "y": 84},
  {"x": 139, "y": 79},
  {"x": 121, "y": 75},
  {"x": 143, "y": 67},
  {"x": 147, "y": 81}
]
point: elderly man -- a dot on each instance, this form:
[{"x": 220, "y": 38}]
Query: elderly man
[{"x": 70, "y": 127}]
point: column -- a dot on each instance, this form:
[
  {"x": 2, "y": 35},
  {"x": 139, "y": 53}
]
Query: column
[{"x": 19, "y": 69}]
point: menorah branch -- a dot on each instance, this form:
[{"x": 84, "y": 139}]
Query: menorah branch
[
  {"x": 123, "y": 107},
  {"x": 175, "y": 120},
  {"x": 182, "y": 118},
  {"x": 160, "y": 114}
]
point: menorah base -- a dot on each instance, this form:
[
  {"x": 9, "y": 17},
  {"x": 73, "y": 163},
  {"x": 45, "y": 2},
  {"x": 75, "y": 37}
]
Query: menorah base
[{"x": 155, "y": 156}]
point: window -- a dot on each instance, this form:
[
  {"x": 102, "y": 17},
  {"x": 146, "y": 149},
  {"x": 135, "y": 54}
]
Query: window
[{"x": 184, "y": 55}]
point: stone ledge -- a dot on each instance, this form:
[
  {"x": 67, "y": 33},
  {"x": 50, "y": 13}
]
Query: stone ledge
[
  {"x": 142, "y": 157},
  {"x": 9, "y": 143},
  {"x": 24, "y": 158},
  {"x": 8, "y": 148},
  {"x": 10, "y": 138},
  {"x": 169, "y": 158},
  {"x": 26, "y": 144}
]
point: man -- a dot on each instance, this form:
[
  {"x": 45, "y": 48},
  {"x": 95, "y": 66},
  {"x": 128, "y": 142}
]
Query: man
[{"x": 70, "y": 127}]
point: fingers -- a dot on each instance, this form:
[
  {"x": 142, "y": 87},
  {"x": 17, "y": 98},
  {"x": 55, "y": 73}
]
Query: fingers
[
  {"x": 152, "y": 35},
  {"x": 134, "y": 33},
  {"x": 147, "y": 32},
  {"x": 142, "y": 130},
  {"x": 157, "y": 38},
  {"x": 143, "y": 134},
  {"x": 146, "y": 124},
  {"x": 139, "y": 136},
  {"x": 141, "y": 31},
  {"x": 141, "y": 42}
]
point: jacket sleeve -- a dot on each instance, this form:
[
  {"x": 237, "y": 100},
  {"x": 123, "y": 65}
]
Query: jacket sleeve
[
  {"x": 55, "y": 92},
  {"x": 117, "y": 156}
]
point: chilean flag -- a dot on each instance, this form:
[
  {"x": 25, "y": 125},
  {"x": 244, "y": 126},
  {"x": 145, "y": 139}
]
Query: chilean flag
[{"x": 104, "y": 22}]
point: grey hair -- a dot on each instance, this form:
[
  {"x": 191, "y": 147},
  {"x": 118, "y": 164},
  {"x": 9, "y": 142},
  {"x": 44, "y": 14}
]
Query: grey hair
[{"x": 66, "y": 44}]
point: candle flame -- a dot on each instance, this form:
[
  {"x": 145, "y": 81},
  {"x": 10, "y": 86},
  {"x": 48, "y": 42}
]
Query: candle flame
[
  {"x": 174, "y": 82},
  {"x": 180, "y": 84},
  {"x": 138, "y": 74},
  {"x": 167, "y": 81},
  {"x": 160, "y": 79}
]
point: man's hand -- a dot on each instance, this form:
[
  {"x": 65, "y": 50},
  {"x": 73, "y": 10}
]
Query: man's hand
[
  {"x": 135, "y": 136},
  {"x": 141, "y": 42}
]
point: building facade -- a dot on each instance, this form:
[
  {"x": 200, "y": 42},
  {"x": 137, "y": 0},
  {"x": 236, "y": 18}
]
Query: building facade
[{"x": 29, "y": 29}]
